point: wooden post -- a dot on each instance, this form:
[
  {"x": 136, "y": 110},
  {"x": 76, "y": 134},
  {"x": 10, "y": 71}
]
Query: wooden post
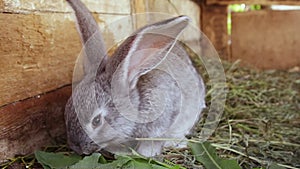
[{"x": 214, "y": 26}]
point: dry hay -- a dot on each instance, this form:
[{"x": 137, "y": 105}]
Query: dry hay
[{"x": 261, "y": 121}]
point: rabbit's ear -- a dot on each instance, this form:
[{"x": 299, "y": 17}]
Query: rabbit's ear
[
  {"x": 147, "y": 48},
  {"x": 90, "y": 36}
]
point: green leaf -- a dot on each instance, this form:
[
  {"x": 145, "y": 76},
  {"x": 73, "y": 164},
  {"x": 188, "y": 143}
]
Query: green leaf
[
  {"x": 55, "y": 160},
  {"x": 118, "y": 163},
  {"x": 153, "y": 163},
  {"x": 155, "y": 166},
  {"x": 142, "y": 162},
  {"x": 97, "y": 161},
  {"x": 102, "y": 160},
  {"x": 229, "y": 164},
  {"x": 136, "y": 165},
  {"x": 87, "y": 162},
  {"x": 176, "y": 167},
  {"x": 133, "y": 162},
  {"x": 206, "y": 154},
  {"x": 168, "y": 164}
]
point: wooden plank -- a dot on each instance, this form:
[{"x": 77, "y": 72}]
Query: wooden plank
[
  {"x": 37, "y": 54},
  {"x": 114, "y": 28},
  {"x": 169, "y": 8},
  {"x": 61, "y": 6},
  {"x": 261, "y": 2},
  {"x": 214, "y": 26},
  {"x": 162, "y": 9},
  {"x": 33, "y": 123},
  {"x": 266, "y": 39},
  {"x": 38, "y": 51}
]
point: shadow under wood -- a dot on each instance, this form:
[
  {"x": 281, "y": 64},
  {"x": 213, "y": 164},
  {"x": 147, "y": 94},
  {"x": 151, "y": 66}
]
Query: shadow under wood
[{"x": 32, "y": 123}]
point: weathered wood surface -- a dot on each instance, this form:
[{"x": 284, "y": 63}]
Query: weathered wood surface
[
  {"x": 266, "y": 39},
  {"x": 214, "y": 26},
  {"x": 170, "y": 7},
  {"x": 262, "y": 2},
  {"x": 33, "y": 123},
  {"x": 37, "y": 54},
  {"x": 164, "y": 9},
  {"x": 61, "y": 6}
]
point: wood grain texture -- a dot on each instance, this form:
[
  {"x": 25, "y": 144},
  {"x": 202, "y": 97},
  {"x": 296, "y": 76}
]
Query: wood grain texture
[
  {"x": 61, "y": 6},
  {"x": 266, "y": 39},
  {"x": 169, "y": 7},
  {"x": 214, "y": 26},
  {"x": 32, "y": 123},
  {"x": 37, "y": 52},
  {"x": 165, "y": 9},
  {"x": 262, "y": 2}
]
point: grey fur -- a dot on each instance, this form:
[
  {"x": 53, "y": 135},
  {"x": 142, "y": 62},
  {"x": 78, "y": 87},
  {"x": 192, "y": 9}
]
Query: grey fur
[{"x": 93, "y": 95}]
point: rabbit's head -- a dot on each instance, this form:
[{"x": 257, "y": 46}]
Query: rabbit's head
[
  {"x": 86, "y": 110},
  {"x": 93, "y": 119}
]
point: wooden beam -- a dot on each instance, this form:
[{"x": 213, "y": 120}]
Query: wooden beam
[
  {"x": 166, "y": 8},
  {"x": 61, "y": 6},
  {"x": 214, "y": 26},
  {"x": 38, "y": 51},
  {"x": 249, "y": 2},
  {"x": 32, "y": 123}
]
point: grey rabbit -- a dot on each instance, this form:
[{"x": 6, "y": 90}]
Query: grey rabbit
[{"x": 142, "y": 67}]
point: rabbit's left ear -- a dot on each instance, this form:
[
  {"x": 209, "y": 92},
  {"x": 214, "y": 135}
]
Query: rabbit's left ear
[
  {"x": 147, "y": 48},
  {"x": 90, "y": 36}
]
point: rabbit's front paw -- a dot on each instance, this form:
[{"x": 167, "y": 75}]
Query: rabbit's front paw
[{"x": 150, "y": 148}]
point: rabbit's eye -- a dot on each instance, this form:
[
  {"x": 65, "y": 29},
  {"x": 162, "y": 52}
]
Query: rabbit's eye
[{"x": 96, "y": 121}]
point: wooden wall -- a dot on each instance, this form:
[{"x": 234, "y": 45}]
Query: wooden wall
[
  {"x": 266, "y": 39},
  {"x": 263, "y": 39},
  {"x": 38, "y": 49}
]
